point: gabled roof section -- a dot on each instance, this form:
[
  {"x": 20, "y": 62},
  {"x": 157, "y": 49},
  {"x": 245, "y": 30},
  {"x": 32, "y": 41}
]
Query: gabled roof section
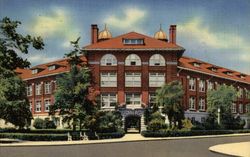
[
  {"x": 116, "y": 43},
  {"x": 186, "y": 63},
  {"x": 26, "y": 74}
]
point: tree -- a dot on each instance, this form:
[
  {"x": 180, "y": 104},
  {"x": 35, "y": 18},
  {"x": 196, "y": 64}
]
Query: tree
[
  {"x": 222, "y": 98},
  {"x": 72, "y": 91},
  {"x": 14, "y": 105},
  {"x": 169, "y": 96}
]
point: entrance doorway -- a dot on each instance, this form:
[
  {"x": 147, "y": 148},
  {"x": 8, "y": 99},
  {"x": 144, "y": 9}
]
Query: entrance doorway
[{"x": 132, "y": 124}]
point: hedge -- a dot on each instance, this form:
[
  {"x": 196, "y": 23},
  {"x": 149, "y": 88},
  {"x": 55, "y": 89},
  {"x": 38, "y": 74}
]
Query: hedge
[
  {"x": 38, "y": 131},
  {"x": 190, "y": 133},
  {"x": 35, "y": 137}
]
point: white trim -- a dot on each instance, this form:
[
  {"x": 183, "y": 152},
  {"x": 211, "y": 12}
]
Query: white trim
[
  {"x": 171, "y": 63},
  {"x": 95, "y": 63},
  {"x": 211, "y": 74}
]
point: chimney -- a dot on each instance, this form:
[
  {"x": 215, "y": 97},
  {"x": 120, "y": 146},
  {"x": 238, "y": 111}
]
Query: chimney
[
  {"x": 94, "y": 33},
  {"x": 172, "y": 34}
]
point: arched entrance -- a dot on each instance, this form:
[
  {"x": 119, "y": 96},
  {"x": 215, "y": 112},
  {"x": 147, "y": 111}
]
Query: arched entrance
[{"x": 132, "y": 124}]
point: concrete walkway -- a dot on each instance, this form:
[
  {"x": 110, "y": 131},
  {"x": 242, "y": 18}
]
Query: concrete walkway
[{"x": 235, "y": 149}]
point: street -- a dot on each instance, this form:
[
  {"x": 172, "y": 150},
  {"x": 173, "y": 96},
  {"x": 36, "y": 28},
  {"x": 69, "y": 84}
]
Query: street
[{"x": 159, "y": 148}]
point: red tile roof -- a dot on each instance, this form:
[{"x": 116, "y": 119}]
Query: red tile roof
[
  {"x": 62, "y": 66},
  {"x": 117, "y": 43},
  {"x": 187, "y": 63}
]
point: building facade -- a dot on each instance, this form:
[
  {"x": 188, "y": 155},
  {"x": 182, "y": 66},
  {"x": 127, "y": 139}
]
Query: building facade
[{"x": 127, "y": 70}]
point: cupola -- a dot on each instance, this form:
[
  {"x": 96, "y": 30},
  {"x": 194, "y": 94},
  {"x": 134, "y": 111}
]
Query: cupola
[
  {"x": 105, "y": 34},
  {"x": 161, "y": 35}
]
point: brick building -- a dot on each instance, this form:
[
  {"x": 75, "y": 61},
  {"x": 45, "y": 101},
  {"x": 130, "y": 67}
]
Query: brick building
[{"x": 127, "y": 70}]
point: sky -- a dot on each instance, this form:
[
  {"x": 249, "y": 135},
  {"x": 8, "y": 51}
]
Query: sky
[{"x": 215, "y": 31}]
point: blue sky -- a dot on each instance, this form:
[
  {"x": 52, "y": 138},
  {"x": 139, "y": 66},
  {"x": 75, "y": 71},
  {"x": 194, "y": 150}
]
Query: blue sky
[{"x": 216, "y": 31}]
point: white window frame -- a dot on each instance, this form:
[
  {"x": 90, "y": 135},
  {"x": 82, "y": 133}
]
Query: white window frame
[
  {"x": 210, "y": 85},
  {"x": 29, "y": 90},
  {"x": 52, "y": 67},
  {"x": 241, "y": 108},
  {"x": 191, "y": 103},
  {"x": 108, "y": 60},
  {"x": 202, "y": 104},
  {"x": 202, "y": 85},
  {"x": 133, "y": 41},
  {"x": 47, "y": 103},
  {"x": 38, "y": 88},
  {"x": 34, "y": 71},
  {"x": 111, "y": 98},
  {"x": 247, "y": 108},
  {"x": 233, "y": 108},
  {"x": 132, "y": 79},
  {"x": 133, "y": 60},
  {"x": 156, "y": 79},
  {"x": 133, "y": 104},
  {"x": 192, "y": 84},
  {"x": 152, "y": 99},
  {"x": 38, "y": 106},
  {"x": 241, "y": 94},
  {"x": 108, "y": 79},
  {"x": 30, "y": 104},
  {"x": 47, "y": 87},
  {"x": 157, "y": 60}
]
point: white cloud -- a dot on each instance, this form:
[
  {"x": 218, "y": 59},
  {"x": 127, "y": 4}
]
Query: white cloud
[
  {"x": 198, "y": 33},
  {"x": 130, "y": 20},
  {"x": 40, "y": 58},
  {"x": 56, "y": 23}
]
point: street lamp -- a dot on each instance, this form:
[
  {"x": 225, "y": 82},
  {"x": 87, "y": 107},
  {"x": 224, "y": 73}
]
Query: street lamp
[{"x": 218, "y": 116}]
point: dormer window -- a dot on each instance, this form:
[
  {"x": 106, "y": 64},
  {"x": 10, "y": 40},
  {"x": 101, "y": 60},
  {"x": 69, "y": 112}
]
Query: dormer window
[
  {"x": 34, "y": 71},
  {"x": 214, "y": 69},
  {"x": 242, "y": 76},
  {"x": 52, "y": 67},
  {"x": 133, "y": 41},
  {"x": 196, "y": 64},
  {"x": 228, "y": 73}
]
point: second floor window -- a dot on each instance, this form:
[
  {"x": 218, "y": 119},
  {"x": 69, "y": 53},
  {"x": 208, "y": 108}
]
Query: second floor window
[
  {"x": 202, "y": 85},
  {"x": 108, "y": 100},
  {"x": 47, "y": 86},
  {"x": 29, "y": 90},
  {"x": 192, "y": 84},
  {"x": 108, "y": 60},
  {"x": 157, "y": 60},
  {"x": 133, "y": 99},
  {"x": 133, "y": 79},
  {"x": 156, "y": 79},
  {"x": 240, "y": 92},
  {"x": 210, "y": 85},
  {"x": 38, "y": 88},
  {"x": 108, "y": 79},
  {"x": 133, "y": 60},
  {"x": 192, "y": 103},
  {"x": 38, "y": 106}
]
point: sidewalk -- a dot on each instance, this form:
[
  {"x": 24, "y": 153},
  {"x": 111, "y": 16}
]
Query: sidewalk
[
  {"x": 236, "y": 149},
  {"x": 126, "y": 138}
]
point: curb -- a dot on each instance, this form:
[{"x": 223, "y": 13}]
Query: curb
[{"x": 107, "y": 141}]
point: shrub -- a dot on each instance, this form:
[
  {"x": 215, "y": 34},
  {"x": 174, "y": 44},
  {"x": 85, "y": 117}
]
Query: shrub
[
  {"x": 49, "y": 124},
  {"x": 39, "y": 123},
  {"x": 157, "y": 124},
  {"x": 187, "y": 124}
]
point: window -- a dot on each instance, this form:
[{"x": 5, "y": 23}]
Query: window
[
  {"x": 108, "y": 60},
  {"x": 152, "y": 99},
  {"x": 157, "y": 60},
  {"x": 240, "y": 92},
  {"x": 156, "y": 79},
  {"x": 34, "y": 71},
  {"x": 233, "y": 109},
  {"x": 202, "y": 85},
  {"x": 192, "y": 84},
  {"x": 210, "y": 85},
  {"x": 196, "y": 64},
  {"x": 109, "y": 79},
  {"x": 29, "y": 90},
  {"x": 247, "y": 108},
  {"x": 38, "y": 106},
  {"x": 133, "y": 60},
  {"x": 193, "y": 120},
  {"x": 30, "y": 103},
  {"x": 47, "y": 86},
  {"x": 46, "y": 105},
  {"x": 133, "y": 41},
  {"x": 202, "y": 104},
  {"x": 241, "y": 108},
  {"x": 192, "y": 103},
  {"x": 133, "y": 79},
  {"x": 52, "y": 67},
  {"x": 38, "y": 88},
  {"x": 108, "y": 100},
  {"x": 133, "y": 99}
]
